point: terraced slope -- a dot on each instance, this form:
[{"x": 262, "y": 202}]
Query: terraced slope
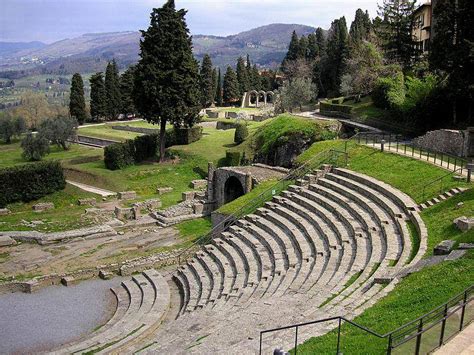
[{"x": 327, "y": 246}]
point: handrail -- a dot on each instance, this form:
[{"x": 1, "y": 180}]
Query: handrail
[
  {"x": 231, "y": 219},
  {"x": 463, "y": 296},
  {"x": 425, "y": 186}
]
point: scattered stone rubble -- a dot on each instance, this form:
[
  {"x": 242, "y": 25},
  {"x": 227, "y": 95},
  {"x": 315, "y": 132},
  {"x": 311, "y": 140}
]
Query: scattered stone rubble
[
  {"x": 127, "y": 195},
  {"x": 39, "y": 207},
  {"x": 464, "y": 223}
]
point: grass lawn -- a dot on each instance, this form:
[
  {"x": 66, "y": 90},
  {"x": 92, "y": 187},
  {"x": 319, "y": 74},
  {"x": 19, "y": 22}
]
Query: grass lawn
[
  {"x": 10, "y": 154},
  {"x": 365, "y": 109},
  {"x": 65, "y": 215},
  {"x": 408, "y": 175},
  {"x": 106, "y": 132},
  {"x": 414, "y": 296}
]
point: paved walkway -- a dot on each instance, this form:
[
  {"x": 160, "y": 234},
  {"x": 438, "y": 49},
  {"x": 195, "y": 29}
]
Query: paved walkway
[
  {"x": 318, "y": 116},
  {"x": 93, "y": 189},
  {"x": 461, "y": 344},
  {"x": 108, "y": 122}
]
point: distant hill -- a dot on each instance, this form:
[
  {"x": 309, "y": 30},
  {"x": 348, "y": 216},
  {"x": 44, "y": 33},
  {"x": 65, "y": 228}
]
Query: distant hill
[
  {"x": 266, "y": 45},
  {"x": 8, "y": 49}
]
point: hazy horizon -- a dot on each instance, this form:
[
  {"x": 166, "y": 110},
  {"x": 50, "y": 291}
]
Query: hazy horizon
[{"x": 49, "y": 21}]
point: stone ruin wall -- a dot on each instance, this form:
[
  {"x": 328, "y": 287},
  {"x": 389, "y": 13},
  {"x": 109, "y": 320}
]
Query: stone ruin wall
[{"x": 447, "y": 141}]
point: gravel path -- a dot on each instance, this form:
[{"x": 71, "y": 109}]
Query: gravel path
[{"x": 53, "y": 315}]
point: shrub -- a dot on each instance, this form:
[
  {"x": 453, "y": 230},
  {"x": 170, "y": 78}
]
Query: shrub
[
  {"x": 184, "y": 136},
  {"x": 30, "y": 181},
  {"x": 389, "y": 92},
  {"x": 331, "y": 107},
  {"x": 145, "y": 147},
  {"x": 119, "y": 155},
  {"x": 241, "y": 133},
  {"x": 35, "y": 147},
  {"x": 232, "y": 158}
]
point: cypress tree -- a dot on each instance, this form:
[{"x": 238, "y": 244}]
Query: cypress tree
[
  {"x": 126, "y": 91},
  {"x": 112, "y": 90},
  {"x": 231, "y": 92},
  {"x": 396, "y": 31},
  {"x": 214, "y": 84},
  {"x": 303, "y": 48},
  {"x": 360, "y": 27},
  {"x": 256, "y": 80},
  {"x": 206, "y": 82},
  {"x": 98, "y": 100},
  {"x": 293, "y": 51},
  {"x": 320, "y": 40},
  {"x": 242, "y": 76},
  {"x": 77, "y": 103},
  {"x": 166, "y": 87},
  {"x": 336, "y": 55},
  {"x": 313, "y": 51},
  {"x": 219, "y": 99}
]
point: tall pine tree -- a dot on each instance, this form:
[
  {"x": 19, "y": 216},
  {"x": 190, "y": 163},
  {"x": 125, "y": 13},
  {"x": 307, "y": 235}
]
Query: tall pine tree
[
  {"x": 206, "y": 82},
  {"x": 112, "y": 90},
  {"x": 242, "y": 76},
  {"x": 395, "y": 31},
  {"x": 77, "y": 103},
  {"x": 293, "y": 51},
  {"x": 231, "y": 92},
  {"x": 98, "y": 99},
  {"x": 166, "y": 87},
  {"x": 313, "y": 51},
  {"x": 219, "y": 100},
  {"x": 360, "y": 27},
  {"x": 126, "y": 91}
]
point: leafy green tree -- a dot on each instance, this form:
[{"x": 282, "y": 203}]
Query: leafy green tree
[
  {"x": 452, "y": 54},
  {"x": 35, "y": 147},
  {"x": 395, "y": 31},
  {"x": 296, "y": 93},
  {"x": 98, "y": 98},
  {"x": 360, "y": 27},
  {"x": 333, "y": 65},
  {"x": 59, "y": 131},
  {"x": 242, "y": 76},
  {"x": 112, "y": 90},
  {"x": 219, "y": 99},
  {"x": 77, "y": 103},
  {"x": 11, "y": 126},
  {"x": 231, "y": 92},
  {"x": 206, "y": 82},
  {"x": 126, "y": 91},
  {"x": 166, "y": 87}
]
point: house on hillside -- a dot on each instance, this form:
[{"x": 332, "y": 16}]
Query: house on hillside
[{"x": 422, "y": 26}]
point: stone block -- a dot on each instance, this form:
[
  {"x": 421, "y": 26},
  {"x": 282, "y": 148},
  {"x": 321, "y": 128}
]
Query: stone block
[
  {"x": 466, "y": 246},
  {"x": 200, "y": 195},
  {"x": 124, "y": 213},
  {"x": 464, "y": 223},
  {"x": 231, "y": 115},
  {"x": 444, "y": 248},
  {"x": 127, "y": 195},
  {"x": 188, "y": 196},
  {"x": 198, "y": 208},
  {"x": 68, "y": 281},
  {"x": 39, "y": 207},
  {"x": 6, "y": 241},
  {"x": 4, "y": 211},
  {"x": 212, "y": 114},
  {"x": 87, "y": 202},
  {"x": 105, "y": 275},
  {"x": 199, "y": 184},
  {"x": 152, "y": 204},
  {"x": 163, "y": 190}
]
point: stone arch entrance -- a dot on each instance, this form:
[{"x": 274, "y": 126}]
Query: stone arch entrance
[{"x": 232, "y": 189}]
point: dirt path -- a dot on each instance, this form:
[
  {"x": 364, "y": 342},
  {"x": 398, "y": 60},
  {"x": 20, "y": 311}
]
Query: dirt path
[{"x": 93, "y": 189}]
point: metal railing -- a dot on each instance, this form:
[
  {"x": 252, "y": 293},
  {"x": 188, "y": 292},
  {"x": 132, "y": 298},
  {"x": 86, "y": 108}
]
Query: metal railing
[
  {"x": 401, "y": 144},
  {"x": 438, "y": 181},
  {"x": 330, "y": 156},
  {"x": 420, "y": 336}
]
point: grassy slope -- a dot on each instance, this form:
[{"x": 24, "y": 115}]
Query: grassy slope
[
  {"x": 406, "y": 174},
  {"x": 10, "y": 154}
]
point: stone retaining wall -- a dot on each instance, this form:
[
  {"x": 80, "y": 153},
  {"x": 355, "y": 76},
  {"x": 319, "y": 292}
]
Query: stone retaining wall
[
  {"x": 142, "y": 130},
  {"x": 447, "y": 141},
  {"x": 98, "y": 142}
]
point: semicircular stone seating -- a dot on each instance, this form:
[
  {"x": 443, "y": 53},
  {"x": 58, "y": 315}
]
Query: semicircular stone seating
[{"x": 330, "y": 245}]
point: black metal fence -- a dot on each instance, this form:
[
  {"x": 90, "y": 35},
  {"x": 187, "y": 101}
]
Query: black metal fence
[
  {"x": 402, "y": 145},
  {"x": 420, "y": 336}
]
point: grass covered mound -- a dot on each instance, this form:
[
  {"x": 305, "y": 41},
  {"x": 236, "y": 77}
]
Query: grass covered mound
[{"x": 279, "y": 140}]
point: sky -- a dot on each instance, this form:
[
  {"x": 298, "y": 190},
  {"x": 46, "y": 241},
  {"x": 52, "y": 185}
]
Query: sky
[{"x": 53, "y": 20}]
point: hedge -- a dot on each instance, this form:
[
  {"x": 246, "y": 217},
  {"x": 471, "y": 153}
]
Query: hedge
[
  {"x": 30, "y": 182},
  {"x": 241, "y": 133},
  {"x": 184, "y": 136},
  {"x": 326, "y": 106},
  {"x": 232, "y": 158},
  {"x": 119, "y": 155}
]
